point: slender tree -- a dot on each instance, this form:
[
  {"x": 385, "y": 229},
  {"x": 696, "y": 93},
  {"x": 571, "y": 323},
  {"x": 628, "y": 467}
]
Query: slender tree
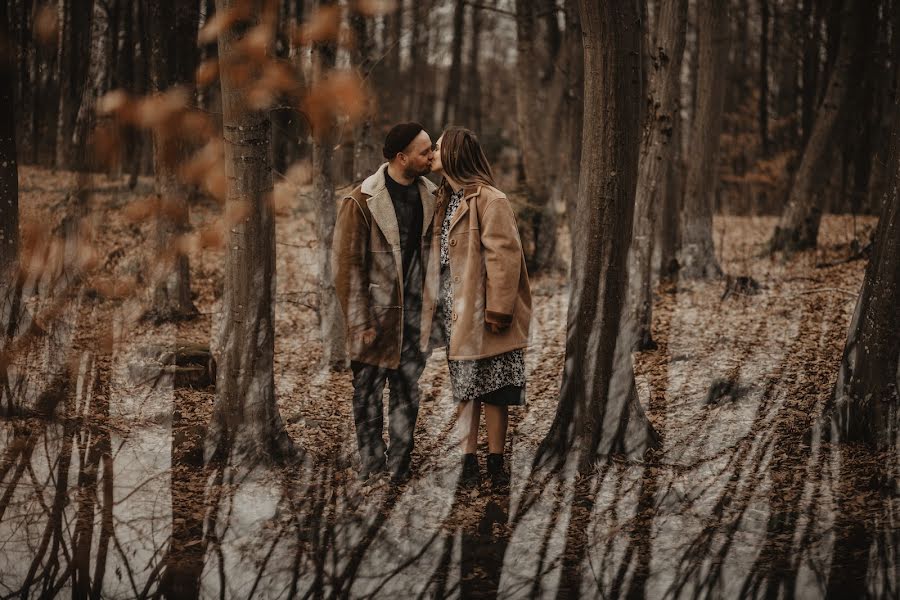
[
  {"x": 74, "y": 43},
  {"x": 598, "y": 412},
  {"x": 867, "y": 405},
  {"x": 366, "y": 153},
  {"x": 331, "y": 324},
  {"x": 453, "y": 90},
  {"x": 246, "y": 423},
  {"x": 9, "y": 171},
  {"x": 173, "y": 54},
  {"x": 798, "y": 227},
  {"x": 696, "y": 257},
  {"x": 656, "y": 153}
]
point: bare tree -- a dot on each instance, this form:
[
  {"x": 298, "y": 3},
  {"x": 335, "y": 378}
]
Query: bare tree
[
  {"x": 867, "y": 406},
  {"x": 74, "y": 43},
  {"x": 598, "y": 412},
  {"x": 657, "y": 149},
  {"x": 9, "y": 170},
  {"x": 453, "y": 90},
  {"x": 365, "y": 148},
  {"x": 798, "y": 227},
  {"x": 331, "y": 324},
  {"x": 697, "y": 259},
  {"x": 245, "y": 421},
  {"x": 172, "y": 29}
]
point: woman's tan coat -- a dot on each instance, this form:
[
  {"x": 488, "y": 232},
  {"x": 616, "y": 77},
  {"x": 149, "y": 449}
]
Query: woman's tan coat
[{"x": 487, "y": 267}]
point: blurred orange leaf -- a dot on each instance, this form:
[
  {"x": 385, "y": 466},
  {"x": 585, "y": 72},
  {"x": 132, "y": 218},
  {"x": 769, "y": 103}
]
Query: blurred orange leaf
[
  {"x": 322, "y": 26},
  {"x": 223, "y": 21},
  {"x": 46, "y": 25}
]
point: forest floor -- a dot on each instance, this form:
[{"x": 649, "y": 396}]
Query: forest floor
[{"x": 747, "y": 496}]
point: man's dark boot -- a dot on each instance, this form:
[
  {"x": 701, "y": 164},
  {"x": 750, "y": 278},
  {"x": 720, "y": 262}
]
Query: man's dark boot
[
  {"x": 498, "y": 473},
  {"x": 471, "y": 475}
]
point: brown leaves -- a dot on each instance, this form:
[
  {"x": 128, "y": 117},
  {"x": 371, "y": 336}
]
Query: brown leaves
[
  {"x": 322, "y": 26},
  {"x": 207, "y": 72},
  {"x": 222, "y": 21},
  {"x": 341, "y": 93},
  {"x": 373, "y": 8},
  {"x": 46, "y": 25}
]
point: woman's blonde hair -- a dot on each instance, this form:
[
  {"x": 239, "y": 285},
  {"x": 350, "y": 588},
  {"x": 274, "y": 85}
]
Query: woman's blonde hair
[{"x": 463, "y": 159}]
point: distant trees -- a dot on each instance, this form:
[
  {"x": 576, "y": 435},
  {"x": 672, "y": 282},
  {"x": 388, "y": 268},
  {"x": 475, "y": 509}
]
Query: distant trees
[
  {"x": 798, "y": 227},
  {"x": 598, "y": 412}
]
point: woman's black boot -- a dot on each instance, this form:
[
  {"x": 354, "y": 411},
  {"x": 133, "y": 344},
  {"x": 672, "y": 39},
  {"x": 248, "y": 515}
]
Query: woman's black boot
[
  {"x": 498, "y": 473},
  {"x": 470, "y": 476}
]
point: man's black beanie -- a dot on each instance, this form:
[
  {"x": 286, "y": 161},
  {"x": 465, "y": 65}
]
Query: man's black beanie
[{"x": 399, "y": 137}]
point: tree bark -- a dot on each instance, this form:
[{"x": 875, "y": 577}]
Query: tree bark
[
  {"x": 798, "y": 227},
  {"x": 246, "y": 423},
  {"x": 9, "y": 169},
  {"x": 539, "y": 91},
  {"x": 867, "y": 406},
  {"x": 696, "y": 257},
  {"x": 764, "y": 77},
  {"x": 331, "y": 324},
  {"x": 598, "y": 412},
  {"x": 98, "y": 73},
  {"x": 366, "y": 150},
  {"x": 74, "y": 43},
  {"x": 655, "y": 160},
  {"x": 473, "y": 79},
  {"x": 172, "y": 28},
  {"x": 453, "y": 90}
]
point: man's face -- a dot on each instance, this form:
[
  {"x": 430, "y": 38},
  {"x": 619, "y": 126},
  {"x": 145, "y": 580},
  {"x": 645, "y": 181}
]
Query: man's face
[{"x": 418, "y": 156}]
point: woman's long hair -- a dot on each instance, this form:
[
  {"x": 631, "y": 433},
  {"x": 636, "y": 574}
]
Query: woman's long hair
[{"x": 463, "y": 159}]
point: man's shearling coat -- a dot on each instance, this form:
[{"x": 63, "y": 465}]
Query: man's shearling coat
[{"x": 368, "y": 271}]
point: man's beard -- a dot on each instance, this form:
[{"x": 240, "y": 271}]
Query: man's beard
[{"x": 413, "y": 173}]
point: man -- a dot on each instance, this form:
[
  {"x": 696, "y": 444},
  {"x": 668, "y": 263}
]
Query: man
[{"x": 379, "y": 270}]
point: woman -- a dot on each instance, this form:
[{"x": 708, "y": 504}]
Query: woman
[{"x": 477, "y": 288}]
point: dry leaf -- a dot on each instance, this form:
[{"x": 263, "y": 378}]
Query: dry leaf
[
  {"x": 373, "y": 8},
  {"x": 207, "y": 72},
  {"x": 223, "y": 21},
  {"x": 46, "y": 25},
  {"x": 322, "y": 26},
  {"x": 142, "y": 209}
]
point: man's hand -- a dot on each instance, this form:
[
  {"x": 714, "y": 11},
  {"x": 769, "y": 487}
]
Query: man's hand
[{"x": 368, "y": 336}]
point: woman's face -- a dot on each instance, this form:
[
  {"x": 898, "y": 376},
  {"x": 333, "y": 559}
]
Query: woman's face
[{"x": 436, "y": 164}]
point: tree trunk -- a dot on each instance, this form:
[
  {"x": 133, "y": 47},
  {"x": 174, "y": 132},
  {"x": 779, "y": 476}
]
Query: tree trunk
[
  {"x": 598, "y": 412},
  {"x": 366, "y": 150},
  {"x": 9, "y": 169},
  {"x": 670, "y": 231},
  {"x": 696, "y": 258},
  {"x": 74, "y": 45},
  {"x": 473, "y": 79},
  {"x": 655, "y": 160},
  {"x": 331, "y": 324},
  {"x": 764, "y": 77},
  {"x": 172, "y": 28},
  {"x": 539, "y": 91},
  {"x": 798, "y": 226},
  {"x": 867, "y": 406},
  {"x": 453, "y": 92},
  {"x": 246, "y": 423},
  {"x": 572, "y": 111},
  {"x": 98, "y": 70}
]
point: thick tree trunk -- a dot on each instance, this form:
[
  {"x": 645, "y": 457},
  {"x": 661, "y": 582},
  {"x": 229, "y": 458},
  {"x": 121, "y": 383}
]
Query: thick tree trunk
[
  {"x": 572, "y": 111},
  {"x": 246, "y": 423},
  {"x": 331, "y": 324},
  {"x": 653, "y": 164},
  {"x": 798, "y": 227},
  {"x": 9, "y": 169},
  {"x": 867, "y": 405},
  {"x": 173, "y": 55},
  {"x": 696, "y": 257},
  {"x": 598, "y": 412}
]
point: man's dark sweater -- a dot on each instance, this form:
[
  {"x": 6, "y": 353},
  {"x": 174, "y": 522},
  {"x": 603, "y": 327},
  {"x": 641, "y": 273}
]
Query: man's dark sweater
[{"x": 408, "y": 208}]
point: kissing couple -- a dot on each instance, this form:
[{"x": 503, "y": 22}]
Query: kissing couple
[{"x": 419, "y": 267}]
